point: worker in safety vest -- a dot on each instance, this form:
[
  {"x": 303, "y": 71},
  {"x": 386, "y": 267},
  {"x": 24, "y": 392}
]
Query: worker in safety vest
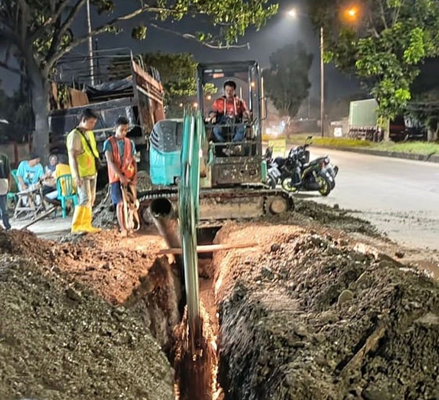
[
  {"x": 122, "y": 168},
  {"x": 83, "y": 155}
]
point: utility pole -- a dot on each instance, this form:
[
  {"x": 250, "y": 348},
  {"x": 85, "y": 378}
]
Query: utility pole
[
  {"x": 322, "y": 83},
  {"x": 90, "y": 45}
]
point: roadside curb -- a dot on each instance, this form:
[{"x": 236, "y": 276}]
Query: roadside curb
[{"x": 434, "y": 158}]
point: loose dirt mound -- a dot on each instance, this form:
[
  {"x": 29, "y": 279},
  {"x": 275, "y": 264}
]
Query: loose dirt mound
[
  {"x": 58, "y": 340},
  {"x": 110, "y": 265},
  {"x": 309, "y": 212},
  {"x": 26, "y": 244},
  {"x": 308, "y": 317},
  {"x": 61, "y": 343}
]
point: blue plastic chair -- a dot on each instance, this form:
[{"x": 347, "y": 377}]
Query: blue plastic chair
[
  {"x": 12, "y": 196},
  {"x": 64, "y": 187}
]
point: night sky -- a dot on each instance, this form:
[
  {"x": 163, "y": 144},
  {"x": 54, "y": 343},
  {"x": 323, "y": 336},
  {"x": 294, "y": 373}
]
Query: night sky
[{"x": 279, "y": 31}]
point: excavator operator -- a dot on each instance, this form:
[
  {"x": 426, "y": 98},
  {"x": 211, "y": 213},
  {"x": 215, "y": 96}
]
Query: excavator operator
[{"x": 229, "y": 110}]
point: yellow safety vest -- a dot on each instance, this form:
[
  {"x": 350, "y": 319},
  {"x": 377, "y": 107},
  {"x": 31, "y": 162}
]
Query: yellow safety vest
[{"x": 86, "y": 160}]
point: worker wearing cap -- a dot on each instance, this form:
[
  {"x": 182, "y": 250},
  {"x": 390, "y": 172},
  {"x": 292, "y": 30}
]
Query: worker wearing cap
[{"x": 82, "y": 150}]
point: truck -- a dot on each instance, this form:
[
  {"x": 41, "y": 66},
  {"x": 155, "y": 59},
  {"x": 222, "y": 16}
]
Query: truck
[
  {"x": 122, "y": 86},
  {"x": 363, "y": 123}
]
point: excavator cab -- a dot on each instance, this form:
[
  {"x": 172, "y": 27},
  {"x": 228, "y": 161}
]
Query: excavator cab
[{"x": 233, "y": 162}]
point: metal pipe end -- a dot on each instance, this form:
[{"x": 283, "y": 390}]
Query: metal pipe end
[{"x": 161, "y": 207}]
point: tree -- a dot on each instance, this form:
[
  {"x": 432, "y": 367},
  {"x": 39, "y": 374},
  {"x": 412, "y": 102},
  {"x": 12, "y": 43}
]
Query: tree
[
  {"x": 178, "y": 75},
  {"x": 383, "y": 43},
  {"x": 424, "y": 105},
  {"x": 42, "y": 33},
  {"x": 286, "y": 83}
]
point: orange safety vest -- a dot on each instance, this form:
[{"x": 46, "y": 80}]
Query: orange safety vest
[{"x": 126, "y": 165}]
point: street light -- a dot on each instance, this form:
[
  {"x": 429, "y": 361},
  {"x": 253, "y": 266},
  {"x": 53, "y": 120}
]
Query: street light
[{"x": 293, "y": 13}]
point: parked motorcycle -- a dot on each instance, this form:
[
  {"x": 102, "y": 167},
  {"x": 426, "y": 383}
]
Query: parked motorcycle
[
  {"x": 274, "y": 168},
  {"x": 296, "y": 173}
]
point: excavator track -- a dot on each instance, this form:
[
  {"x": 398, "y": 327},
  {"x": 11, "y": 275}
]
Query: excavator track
[{"x": 226, "y": 204}]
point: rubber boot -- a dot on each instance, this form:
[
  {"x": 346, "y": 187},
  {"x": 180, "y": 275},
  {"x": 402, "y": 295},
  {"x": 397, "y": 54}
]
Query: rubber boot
[
  {"x": 87, "y": 222},
  {"x": 78, "y": 220}
]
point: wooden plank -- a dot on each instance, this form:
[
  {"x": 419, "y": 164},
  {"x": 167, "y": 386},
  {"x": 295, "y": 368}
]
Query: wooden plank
[
  {"x": 39, "y": 218},
  {"x": 210, "y": 248}
]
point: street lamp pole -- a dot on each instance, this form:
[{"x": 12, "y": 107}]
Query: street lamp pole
[
  {"x": 351, "y": 15},
  {"x": 322, "y": 82},
  {"x": 90, "y": 45}
]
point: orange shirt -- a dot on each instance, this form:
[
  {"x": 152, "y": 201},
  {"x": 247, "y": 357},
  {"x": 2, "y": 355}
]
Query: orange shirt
[{"x": 233, "y": 108}]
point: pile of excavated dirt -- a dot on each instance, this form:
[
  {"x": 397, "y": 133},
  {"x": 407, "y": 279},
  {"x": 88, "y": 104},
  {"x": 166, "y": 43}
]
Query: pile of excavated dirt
[
  {"x": 27, "y": 245},
  {"x": 308, "y": 213},
  {"x": 60, "y": 339},
  {"x": 112, "y": 266},
  {"x": 310, "y": 315},
  {"x": 122, "y": 271}
]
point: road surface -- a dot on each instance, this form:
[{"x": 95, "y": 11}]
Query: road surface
[{"x": 400, "y": 197}]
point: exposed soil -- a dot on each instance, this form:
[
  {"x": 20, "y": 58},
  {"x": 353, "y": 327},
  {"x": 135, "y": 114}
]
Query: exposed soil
[
  {"x": 112, "y": 266},
  {"x": 59, "y": 340},
  {"x": 310, "y": 314}
]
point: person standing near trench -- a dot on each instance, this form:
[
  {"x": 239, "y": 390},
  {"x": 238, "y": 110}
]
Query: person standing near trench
[
  {"x": 82, "y": 150},
  {"x": 122, "y": 168}
]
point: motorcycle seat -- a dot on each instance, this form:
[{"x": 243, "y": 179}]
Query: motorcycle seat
[{"x": 314, "y": 162}]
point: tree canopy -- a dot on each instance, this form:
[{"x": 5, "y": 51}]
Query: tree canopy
[
  {"x": 42, "y": 32},
  {"x": 47, "y": 26},
  {"x": 286, "y": 82},
  {"x": 383, "y": 42}
]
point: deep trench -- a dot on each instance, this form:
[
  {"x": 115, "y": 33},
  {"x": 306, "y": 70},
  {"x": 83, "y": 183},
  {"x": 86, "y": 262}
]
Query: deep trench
[{"x": 161, "y": 296}]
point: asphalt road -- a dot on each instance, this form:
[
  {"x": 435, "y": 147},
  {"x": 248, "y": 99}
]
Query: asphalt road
[{"x": 400, "y": 197}]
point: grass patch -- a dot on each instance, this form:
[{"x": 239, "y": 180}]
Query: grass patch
[
  {"x": 330, "y": 142},
  {"x": 424, "y": 148},
  {"x": 342, "y": 142}
]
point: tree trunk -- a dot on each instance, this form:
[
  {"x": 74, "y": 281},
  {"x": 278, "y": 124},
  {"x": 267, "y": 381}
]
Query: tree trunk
[
  {"x": 432, "y": 133},
  {"x": 386, "y": 129},
  {"x": 38, "y": 84}
]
